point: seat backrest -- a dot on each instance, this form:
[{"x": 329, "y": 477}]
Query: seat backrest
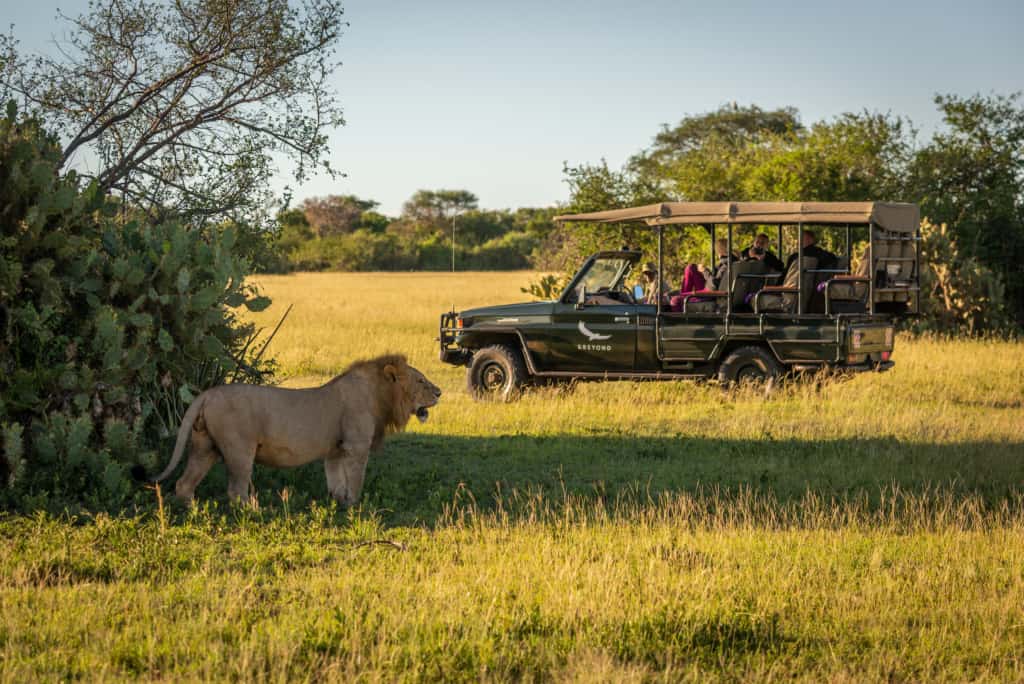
[
  {"x": 792, "y": 275},
  {"x": 741, "y": 287},
  {"x": 786, "y": 301}
]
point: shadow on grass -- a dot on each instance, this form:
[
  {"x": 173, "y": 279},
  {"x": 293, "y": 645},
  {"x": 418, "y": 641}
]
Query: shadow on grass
[{"x": 414, "y": 476}]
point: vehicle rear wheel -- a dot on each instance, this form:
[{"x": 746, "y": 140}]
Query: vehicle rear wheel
[
  {"x": 497, "y": 373},
  {"x": 749, "y": 365}
]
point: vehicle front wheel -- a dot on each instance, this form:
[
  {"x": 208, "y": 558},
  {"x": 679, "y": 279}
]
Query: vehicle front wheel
[
  {"x": 497, "y": 373},
  {"x": 749, "y": 365}
]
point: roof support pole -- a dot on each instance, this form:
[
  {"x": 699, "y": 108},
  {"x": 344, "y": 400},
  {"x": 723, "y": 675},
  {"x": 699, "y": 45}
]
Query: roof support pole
[
  {"x": 800, "y": 269},
  {"x": 849, "y": 250},
  {"x": 728, "y": 275},
  {"x": 661, "y": 252},
  {"x": 917, "y": 269},
  {"x": 779, "y": 252},
  {"x": 871, "y": 266},
  {"x": 714, "y": 255}
]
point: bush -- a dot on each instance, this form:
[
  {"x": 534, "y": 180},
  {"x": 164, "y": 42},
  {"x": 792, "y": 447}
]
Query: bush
[
  {"x": 962, "y": 294},
  {"x": 108, "y": 328},
  {"x": 361, "y": 250}
]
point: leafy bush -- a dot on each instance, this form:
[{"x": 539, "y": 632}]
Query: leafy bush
[
  {"x": 962, "y": 294},
  {"x": 547, "y": 288},
  {"x": 361, "y": 250},
  {"x": 108, "y": 327}
]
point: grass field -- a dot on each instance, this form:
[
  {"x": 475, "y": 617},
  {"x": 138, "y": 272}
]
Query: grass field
[{"x": 864, "y": 529}]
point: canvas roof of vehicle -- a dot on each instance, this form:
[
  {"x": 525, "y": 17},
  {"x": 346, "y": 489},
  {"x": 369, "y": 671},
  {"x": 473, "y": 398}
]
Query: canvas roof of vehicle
[{"x": 894, "y": 216}]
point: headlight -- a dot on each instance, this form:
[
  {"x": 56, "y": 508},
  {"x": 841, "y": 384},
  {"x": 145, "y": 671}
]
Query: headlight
[{"x": 856, "y": 339}]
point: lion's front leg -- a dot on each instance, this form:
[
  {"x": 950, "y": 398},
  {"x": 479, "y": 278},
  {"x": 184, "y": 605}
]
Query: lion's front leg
[{"x": 346, "y": 472}]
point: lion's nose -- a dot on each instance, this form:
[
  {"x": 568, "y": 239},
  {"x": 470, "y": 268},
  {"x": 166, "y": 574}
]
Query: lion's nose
[{"x": 437, "y": 392}]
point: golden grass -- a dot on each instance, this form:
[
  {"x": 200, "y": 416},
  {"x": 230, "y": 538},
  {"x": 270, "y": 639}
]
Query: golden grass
[
  {"x": 869, "y": 529},
  {"x": 940, "y": 391}
]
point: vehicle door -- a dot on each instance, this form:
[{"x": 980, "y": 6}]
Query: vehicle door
[{"x": 597, "y": 333}]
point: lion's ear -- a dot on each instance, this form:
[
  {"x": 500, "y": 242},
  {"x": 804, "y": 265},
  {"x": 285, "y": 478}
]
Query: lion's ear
[{"x": 391, "y": 373}]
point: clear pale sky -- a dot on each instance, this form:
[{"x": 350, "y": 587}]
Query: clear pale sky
[{"x": 494, "y": 96}]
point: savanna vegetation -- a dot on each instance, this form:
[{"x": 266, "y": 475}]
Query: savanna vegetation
[
  {"x": 862, "y": 529},
  {"x": 866, "y": 528}
]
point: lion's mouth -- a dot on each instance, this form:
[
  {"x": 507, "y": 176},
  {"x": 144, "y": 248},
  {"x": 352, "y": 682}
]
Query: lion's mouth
[{"x": 422, "y": 413}]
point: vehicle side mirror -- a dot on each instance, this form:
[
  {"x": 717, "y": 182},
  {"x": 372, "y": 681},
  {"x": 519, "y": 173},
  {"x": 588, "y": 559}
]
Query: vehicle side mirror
[
  {"x": 638, "y": 292},
  {"x": 581, "y": 296}
]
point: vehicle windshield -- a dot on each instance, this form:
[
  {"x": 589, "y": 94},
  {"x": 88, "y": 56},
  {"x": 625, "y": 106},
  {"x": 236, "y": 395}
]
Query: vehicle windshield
[{"x": 606, "y": 274}]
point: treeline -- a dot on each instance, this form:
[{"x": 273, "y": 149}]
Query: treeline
[{"x": 344, "y": 232}]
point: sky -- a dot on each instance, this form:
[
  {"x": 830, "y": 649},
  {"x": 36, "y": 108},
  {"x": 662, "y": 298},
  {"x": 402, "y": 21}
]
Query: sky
[{"x": 494, "y": 97}]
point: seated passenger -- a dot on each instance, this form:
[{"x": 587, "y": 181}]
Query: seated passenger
[
  {"x": 693, "y": 281},
  {"x": 759, "y": 250},
  {"x": 724, "y": 259},
  {"x": 650, "y": 283},
  {"x": 825, "y": 258}
]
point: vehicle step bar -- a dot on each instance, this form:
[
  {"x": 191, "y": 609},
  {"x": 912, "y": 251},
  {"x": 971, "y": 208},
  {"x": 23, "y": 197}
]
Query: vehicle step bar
[{"x": 657, "y": 375}]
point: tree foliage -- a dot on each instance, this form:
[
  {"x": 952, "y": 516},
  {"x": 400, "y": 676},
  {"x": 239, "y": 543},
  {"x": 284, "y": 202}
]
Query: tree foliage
[
  {"x": 107, "y": 328},
  {"x": 180, "y": 107},
  {"x": 436, "y": 207},
  {"x": 336, "y": 214},
  {"x": 970, "y": 176},
  {"x": 419, "y": 239}
]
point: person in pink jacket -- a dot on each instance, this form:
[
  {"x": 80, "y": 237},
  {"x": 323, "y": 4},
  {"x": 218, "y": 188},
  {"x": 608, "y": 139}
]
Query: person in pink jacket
[{"x": 693, "y": 281}]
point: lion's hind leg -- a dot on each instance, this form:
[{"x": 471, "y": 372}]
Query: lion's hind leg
[{"x": 201, "y": 458}]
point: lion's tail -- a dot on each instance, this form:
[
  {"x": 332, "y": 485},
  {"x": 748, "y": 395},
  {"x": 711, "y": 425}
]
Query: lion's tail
[{"x": 179, "y": 446}]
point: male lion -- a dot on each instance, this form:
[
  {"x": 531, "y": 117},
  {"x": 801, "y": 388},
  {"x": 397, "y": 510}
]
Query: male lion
[{"x": 340, "y": 422}]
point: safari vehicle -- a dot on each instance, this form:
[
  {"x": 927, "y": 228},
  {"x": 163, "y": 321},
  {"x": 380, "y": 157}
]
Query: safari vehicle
[{"x": 757, "y": 326}]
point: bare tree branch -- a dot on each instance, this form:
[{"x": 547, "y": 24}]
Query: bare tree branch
[{"x": 184, "y": 102}]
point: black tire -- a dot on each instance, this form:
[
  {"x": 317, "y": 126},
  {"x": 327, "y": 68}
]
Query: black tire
[
  {"x": 749, "y": 365},
  {"x": 496, "y": 373}
]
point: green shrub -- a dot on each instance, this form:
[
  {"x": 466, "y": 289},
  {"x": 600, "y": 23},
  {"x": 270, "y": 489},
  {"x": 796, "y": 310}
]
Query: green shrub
[
  {"x": 962, "y": 295},
  {"x": 108, "y": 328}
]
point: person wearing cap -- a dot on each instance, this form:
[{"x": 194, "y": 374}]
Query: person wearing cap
[{"x": 650, "y": 283}]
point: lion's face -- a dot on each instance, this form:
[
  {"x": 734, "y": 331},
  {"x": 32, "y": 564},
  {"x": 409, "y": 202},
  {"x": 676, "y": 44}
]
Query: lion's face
[{"x": 421, "y": 392}]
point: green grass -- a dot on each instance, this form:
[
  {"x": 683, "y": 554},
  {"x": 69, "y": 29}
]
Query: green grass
[{"x": 858, "y": 530}]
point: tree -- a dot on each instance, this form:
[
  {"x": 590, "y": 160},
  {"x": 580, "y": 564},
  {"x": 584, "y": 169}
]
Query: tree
[
  {"x": 180, "y": 107},
  {"x": 855, "y": 157},
  {"x": 970, "y": 176},
  {"x": 730, "y": 128},
  {"x": 436, "y": 207},
  {"x": 336, "y": 214}
]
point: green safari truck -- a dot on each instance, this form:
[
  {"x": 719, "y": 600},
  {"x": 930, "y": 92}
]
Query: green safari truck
[{"x": 757, "y": 318}]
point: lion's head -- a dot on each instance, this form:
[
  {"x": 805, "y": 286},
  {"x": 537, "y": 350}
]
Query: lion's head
[{"x": 404, "y": 391}]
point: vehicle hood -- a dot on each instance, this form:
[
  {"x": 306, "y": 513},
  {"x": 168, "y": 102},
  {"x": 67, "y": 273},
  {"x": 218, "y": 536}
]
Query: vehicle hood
[{"x": 510, "y": 310}]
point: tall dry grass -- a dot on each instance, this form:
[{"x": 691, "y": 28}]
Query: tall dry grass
[{"x": 869, "y": 529}]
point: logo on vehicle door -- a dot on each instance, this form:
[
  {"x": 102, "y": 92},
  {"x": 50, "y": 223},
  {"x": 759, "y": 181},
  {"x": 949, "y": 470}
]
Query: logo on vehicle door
[
  {"x": 593, "y": 337},
  {"x": 590, "y": 335}
]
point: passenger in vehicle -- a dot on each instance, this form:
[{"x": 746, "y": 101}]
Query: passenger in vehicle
[
  {"x": 724, "y": 258},
  {"x": 759, "y": 250},
  {"x": 693, "y": 281},
  {"x": 650, "y": 283},
  {"x": 826, "y": 259}
]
